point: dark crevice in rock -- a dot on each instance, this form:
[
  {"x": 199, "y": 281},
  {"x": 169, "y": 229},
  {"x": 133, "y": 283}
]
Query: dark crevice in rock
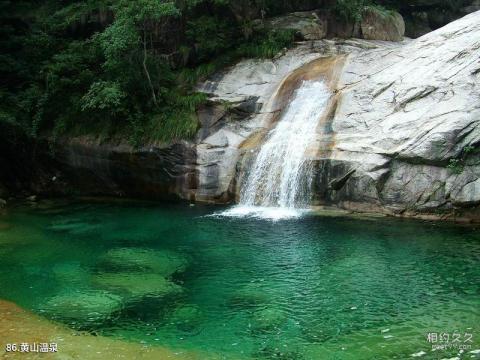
[
  {"x": 382, "y": 90},
  {"x": 415, "y": 97},
  {"x": 339, "y": 183}
]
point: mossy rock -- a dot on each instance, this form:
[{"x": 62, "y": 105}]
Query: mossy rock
[
  {"x": 83, "y": 307},
  {"x": 137, "y": 286},
  {"x": 267, "y": 320},
  {"x": 164, "y": 262},
  {"x": 250, "y": 295},
  {"x": 187, "y": 318}
]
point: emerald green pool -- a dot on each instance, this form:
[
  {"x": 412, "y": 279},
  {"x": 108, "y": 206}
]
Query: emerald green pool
[{"x": 312, "y": 287}]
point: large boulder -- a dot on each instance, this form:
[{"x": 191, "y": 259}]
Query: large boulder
[
  {"x": 379, "y": 24},
  {"x": 308, "y": 25},
  {"x": 340, "y": 27}
]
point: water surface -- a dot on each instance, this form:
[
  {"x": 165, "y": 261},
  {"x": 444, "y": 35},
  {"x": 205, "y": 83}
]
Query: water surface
[{"x": 310, "y": 287}]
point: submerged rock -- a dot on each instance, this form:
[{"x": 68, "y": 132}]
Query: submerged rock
[
  {"x": 187, "y": 318},
  {"x": 163, "y": 262},
  {"x": 83, "y": 307},
  {"x": 267, "y": 320},
  {"x": 252, "y": 294},
  {"x": 137, "y": 286},
  {"x": 71, "y": 274}
]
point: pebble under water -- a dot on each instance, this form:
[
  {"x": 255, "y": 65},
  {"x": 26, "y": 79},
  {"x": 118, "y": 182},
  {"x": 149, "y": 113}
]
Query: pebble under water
[{"x": 313, "y": 287}]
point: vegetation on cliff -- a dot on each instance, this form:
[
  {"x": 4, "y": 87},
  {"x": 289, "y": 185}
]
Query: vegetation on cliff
[{"x": 128, "y": 68}]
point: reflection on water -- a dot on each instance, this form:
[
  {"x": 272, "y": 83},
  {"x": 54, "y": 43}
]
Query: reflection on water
[{"x": 306, "y": 288}]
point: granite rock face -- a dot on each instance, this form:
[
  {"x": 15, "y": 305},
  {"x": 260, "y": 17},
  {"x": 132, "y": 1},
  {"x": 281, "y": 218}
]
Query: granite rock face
[
  {"x": 157, "y": 171},
  {"x": 250, "y": 89},
  {"x": 402, "y": 135},
  {"x": 408, "y": 122},
  {"x": 256, "y": 92}
]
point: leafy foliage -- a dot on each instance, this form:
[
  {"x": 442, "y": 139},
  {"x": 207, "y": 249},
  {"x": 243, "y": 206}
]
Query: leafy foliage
[
  {"x": 210, "y": 35},
  {"x": 351, "y": 10},
  {"x": 119, "y": 67},
  {"x": 267, "y": 46},
  {"x": 458, "y": 165},
  {"x": 129, "y": 68},
  {"x": 103, "y": 96},
  {"x": 354, "y": 10}
]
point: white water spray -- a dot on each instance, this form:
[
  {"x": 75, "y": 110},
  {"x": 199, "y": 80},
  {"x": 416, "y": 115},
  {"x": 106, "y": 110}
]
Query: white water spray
[{"x": 279, "y": 182}]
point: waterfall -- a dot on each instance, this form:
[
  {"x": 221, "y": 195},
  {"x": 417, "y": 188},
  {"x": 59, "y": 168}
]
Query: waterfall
[{"x": 279, "y": 181}]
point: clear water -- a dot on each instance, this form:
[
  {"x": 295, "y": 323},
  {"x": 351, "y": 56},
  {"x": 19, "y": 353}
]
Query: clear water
[
  {"x": 312, "y": 287},
  {"x": 281, "y": 175}
]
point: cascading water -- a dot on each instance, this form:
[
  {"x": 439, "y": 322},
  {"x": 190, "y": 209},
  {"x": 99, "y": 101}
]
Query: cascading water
[{"x": 279, "y": 182}]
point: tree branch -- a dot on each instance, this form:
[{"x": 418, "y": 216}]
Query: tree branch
[{"x": 145, "y": 68}]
